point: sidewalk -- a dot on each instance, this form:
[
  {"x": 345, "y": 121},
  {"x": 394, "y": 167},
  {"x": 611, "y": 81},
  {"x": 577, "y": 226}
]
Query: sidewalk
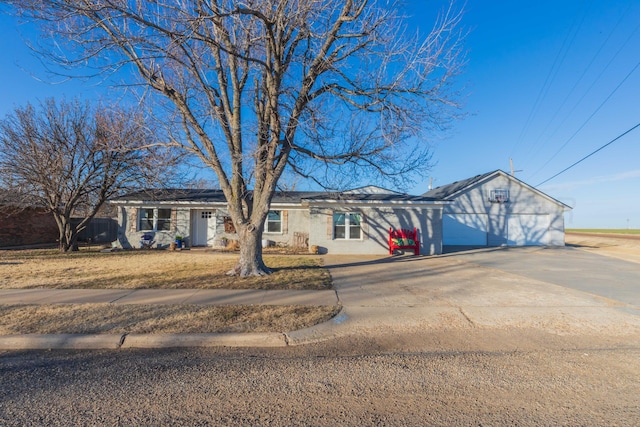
[{"x": 168, "y": 296}]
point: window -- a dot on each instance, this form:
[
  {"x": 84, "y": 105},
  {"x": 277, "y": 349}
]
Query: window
[
  {"x": 499, "y": 195},
  {"x": 150, "y": 219},
  {"x": 347, "y": 225},
  {"x": 273, "y": 223},
  {"x": 145, "y": 218},
  {"x": 163, "y": 221}
]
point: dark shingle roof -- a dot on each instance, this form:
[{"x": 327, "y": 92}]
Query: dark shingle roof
[
  {"x": 446, "y": 191},
  {"x": 171, "y": 195},
  {"x": 196, "y": 195},
  {"x": 216, "y": 196}
]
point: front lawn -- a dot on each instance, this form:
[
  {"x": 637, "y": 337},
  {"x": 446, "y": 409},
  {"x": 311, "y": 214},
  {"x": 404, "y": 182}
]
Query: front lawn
[
  {"x": 153, "y": 269},
  {"x": 157, "y": 319}
]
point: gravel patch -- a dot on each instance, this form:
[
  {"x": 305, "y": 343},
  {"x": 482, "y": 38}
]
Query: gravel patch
[{"x": 350, "y": 383}]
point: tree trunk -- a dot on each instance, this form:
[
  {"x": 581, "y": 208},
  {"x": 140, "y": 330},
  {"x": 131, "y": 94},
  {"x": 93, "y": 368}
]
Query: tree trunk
[
  {"x": 67, "y": 237},
  {"x": 63, "y": 245},
  {"x": 250, "y": 262}
]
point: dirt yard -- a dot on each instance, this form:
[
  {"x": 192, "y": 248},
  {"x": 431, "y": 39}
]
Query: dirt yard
[{"x": 625, "y": 247}]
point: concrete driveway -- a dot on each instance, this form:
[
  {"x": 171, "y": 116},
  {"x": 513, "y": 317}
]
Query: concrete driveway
[
  {"x": 566, "y": 266},
  {"x": 561, "y": 291}
]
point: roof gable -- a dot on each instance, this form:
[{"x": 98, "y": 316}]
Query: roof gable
[
  {"x": 370, "y": 189},
  {"x": 451, "y": 191}
]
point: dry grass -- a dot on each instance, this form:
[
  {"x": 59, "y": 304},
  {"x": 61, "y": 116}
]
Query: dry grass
[
  {"x": 153, "y": 269},
  {"x": 604, "y": 230},
  {"x": 612, "y": 245},
  {"x": 140, "y": 319}
]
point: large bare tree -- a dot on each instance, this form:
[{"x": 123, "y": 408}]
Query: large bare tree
[
  {"x": 70, "y": 158},
  {"x": 260, "y": 87}
]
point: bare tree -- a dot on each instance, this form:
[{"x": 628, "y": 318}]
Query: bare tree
[
  {"x": 70, "y": 158},
  {"x": 260, "y": 87}
]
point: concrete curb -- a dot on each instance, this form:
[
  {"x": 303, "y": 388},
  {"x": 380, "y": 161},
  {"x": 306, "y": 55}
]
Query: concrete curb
[
  {"x": 115, "y": 342},
  {"x": 320, "y": 332},
  {"x": 272, "y": 339},
  {"x": 60, "y": 341}
]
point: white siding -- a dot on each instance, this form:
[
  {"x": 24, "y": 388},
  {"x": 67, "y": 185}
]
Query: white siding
[
  {"x": 529, "y": 218},
  {"x": 377, "y": 222}
]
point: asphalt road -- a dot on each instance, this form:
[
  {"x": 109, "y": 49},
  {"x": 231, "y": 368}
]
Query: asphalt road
[
  {"x": 566, "y": 266},
  {"x": 336, "y": 384}
]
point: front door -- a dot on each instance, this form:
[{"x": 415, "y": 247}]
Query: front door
[{"x": 203, "y": 223}]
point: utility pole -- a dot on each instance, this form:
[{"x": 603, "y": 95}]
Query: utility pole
[{"x": 513, "y": 172}]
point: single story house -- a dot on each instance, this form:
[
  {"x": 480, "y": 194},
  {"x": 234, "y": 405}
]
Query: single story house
[
  {"x": 350, "y": 222},
  {"x": 493, "y": 209},
  {"x": 497, "y": 209}
]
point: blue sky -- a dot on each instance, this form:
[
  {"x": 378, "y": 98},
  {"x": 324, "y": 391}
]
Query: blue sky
[
  {"x": 548, "y": 83},
  {"x": 547, "y": 87}
]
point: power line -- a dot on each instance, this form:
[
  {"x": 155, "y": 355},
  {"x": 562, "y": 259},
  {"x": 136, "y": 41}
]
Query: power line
[
  {"x": 553, "y": 71},
  {"x": 592, "y": 153},
  {"x": 590, "y": 117},
  {"x": 584, "y": 72}
]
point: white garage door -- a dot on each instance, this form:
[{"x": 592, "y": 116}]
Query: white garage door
[
  {"x": 527, "y": 230},
  {"x": 464, "y": 229}
]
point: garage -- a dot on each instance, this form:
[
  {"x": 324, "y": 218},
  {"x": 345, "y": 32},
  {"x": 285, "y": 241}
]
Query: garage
[
  {"x": 497, "y": 209},
  {"x": 464, "y": 229},
  {"x": 527, "y": 230},
  {"x": 511, "y": 230}
]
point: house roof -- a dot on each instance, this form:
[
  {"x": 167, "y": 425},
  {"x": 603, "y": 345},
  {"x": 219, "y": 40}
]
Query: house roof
[
  {"x": 369, "y": 197},
  {"x": 450, "y": 191},
  {"x": 182, "y": 195},
  {"x": 188, "y": 196},
  {"x": 15, "y": 199}
]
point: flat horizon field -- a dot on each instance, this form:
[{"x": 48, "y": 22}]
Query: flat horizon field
[{"x": 604, "y": 230}]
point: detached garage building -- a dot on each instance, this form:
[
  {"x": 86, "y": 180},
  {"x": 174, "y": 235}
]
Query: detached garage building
[{"x": 497, "y": 209}]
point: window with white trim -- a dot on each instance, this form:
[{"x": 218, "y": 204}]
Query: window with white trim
[
  {"x": 347, "y": 225},
  {"x": 154, "y": 219},
  {"x": 273, "y": 223}
]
